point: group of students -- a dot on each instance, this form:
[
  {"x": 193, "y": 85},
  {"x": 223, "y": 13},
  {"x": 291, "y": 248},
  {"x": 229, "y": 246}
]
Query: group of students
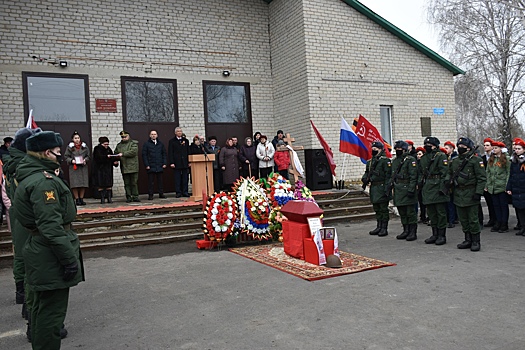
[{"x": 448, "y": 183}]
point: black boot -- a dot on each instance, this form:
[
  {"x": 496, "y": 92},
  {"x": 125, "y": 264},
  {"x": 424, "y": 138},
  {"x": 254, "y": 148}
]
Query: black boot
[
  {"x": 20, "y": 293},
  {"x": 384, "y": 229},
  {"x": 377, "y": 229},
  {"x": 495, "y": 227},
  {"x": 63, "y": 332},
  {"x": 521, "y": 232},
  {"x": 77, "y": 202},
  {"x": 412, "y": 233},
  {"x": 102, "y": 196},
  {"x": 490, "y": 223},
  {"x": 432, "y": 239},
  {"x": 504, "y": 228},
  {"x": 81, "y": 200},
  {"x": 28, "y": 331},
  {"x": 442, "y": 236},
  {"x": 467, "y": 243},
  {"x": 405, "y": 232},
  {"x": 109, "y": 194},
  {"x": 24, "y": 311},
  {"x": 476, "y": 245}
]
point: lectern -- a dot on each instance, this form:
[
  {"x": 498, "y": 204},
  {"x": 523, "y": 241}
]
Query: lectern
[{"x": 201, "y": 165}]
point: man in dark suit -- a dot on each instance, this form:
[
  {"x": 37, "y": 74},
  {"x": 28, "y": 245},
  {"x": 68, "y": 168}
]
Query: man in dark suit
[
  {"x": 154, "y": 158},
  {"x": 178, "y": 150}
]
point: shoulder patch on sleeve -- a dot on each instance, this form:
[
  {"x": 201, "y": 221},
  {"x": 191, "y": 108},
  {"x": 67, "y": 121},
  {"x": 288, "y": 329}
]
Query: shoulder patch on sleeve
[
  {"x": 47, "y": 175},
  {"x": 481, "y": 164},
  {"x": 445, "y": 161},
  {"x": 50, "y": 197},
  {"x": 414, "y": 164}
]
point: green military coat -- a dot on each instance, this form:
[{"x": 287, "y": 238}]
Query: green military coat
[
  {"x": 471, "y": 180},
  {"x": 497, "y": 175},
  {"x": 378, "y": 172},
  {"x": 129, "y": 162},
  {"x": 44, "y": 206},
  {"x": 434, "y": 169},
  {"x": 404, "y": 180}
]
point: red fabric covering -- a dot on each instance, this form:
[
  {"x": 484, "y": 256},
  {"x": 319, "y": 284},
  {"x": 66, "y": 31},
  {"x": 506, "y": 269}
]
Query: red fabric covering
[
  {"x": 293, "y": 235},
  {"x": 203, "y": 244},
  {"x": 299, "y": 211},
  {"x": 310, "y": 250}
]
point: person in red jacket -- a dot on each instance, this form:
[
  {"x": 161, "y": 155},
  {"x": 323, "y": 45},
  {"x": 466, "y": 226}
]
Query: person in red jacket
[{"x": 282, "y": 159}]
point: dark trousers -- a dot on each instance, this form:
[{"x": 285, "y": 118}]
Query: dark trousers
[
  {"x": 408, "y": 214},
  {"x": 381, "y": 210},
  {"x": 246, "y": 173},
  {"x": 437, "y": 213},
  {"x": 151, "y": 183},
  {"x": 217, "y": 180},
  {"x": 284, "y": 173},
  {"x": 422, "y": 207},
  {"x": 181, "y": 181},
  {"x": 501, "y": 207},
  {"x": 265, "y": 172},
  {"x": 520, "y": 215},
  {"x": 47, "y": 316},
  {"x": 451, "y": 211},
  {"x": 468, "y": 217},
  {"x": 130, "y": 185},
  {"x": 490, "y": 206}
]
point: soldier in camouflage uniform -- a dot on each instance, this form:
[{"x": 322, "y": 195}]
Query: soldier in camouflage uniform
[
  {"x": 432, "y": 182},
  {"x": 377, "y": 175},
  {"x": 403, "y": 182},
  {"x": 467, "y": 181}
]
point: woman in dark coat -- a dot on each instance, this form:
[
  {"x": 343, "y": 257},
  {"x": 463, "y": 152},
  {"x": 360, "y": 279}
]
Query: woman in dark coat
[
  {"x": 516, "y": 183},
  {"x": 102, "y": 172},
  {"x": 196, "y": 147},
  {"x": 229, "y": 163},
  {"x": 249, "y": 160}
]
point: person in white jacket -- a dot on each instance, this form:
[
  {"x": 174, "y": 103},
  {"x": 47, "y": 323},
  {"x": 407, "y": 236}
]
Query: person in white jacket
[{"x": 265, "y": 152}]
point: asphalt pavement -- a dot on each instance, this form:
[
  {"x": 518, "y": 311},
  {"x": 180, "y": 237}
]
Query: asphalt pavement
[{"x": 174, "y": 296}]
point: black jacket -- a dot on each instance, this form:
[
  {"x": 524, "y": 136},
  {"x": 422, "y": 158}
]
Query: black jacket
[
  {"x": 178, "y": 151},
  {"x": 154, "y": 156}
]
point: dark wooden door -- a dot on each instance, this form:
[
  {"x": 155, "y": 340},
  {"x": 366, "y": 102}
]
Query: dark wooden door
[{"x": 140, "y": 132}]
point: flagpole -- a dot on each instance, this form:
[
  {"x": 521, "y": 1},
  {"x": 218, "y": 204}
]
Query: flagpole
[
  {"x": 342, "y": 176},
  {"x": 28, "y": 125}
]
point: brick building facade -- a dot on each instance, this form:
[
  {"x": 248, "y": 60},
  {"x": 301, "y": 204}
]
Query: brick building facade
[{"x": 300, "y": 59}]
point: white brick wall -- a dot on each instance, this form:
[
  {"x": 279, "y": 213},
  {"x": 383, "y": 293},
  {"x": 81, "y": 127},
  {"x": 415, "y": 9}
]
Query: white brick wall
[{"x": 304, "y": 59}]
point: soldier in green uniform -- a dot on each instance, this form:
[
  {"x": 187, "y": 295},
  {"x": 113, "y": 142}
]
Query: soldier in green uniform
[
  {"x": 17, "y": 152},
  {"x": 44, "y": 206},
  {"x": 432, "y": 182},
  {"x": 377, "y": 174},
  {"x": 128, "y": 151},
  {"x": 467, "y": 181},
  {"x": 404, "y": 182}
]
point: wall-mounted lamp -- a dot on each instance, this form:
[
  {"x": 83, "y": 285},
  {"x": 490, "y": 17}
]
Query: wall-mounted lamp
[
  {"x": 62, "y": 64},
  {"x": 226, "y": 73}
]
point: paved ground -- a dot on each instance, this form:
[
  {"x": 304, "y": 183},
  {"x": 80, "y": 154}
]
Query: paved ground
[{"x": 176, "y": 297}]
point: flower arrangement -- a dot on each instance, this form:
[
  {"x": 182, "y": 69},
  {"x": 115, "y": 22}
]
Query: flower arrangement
[
  {"x": 280, "y": 190},
  {"x": 221, "y": 213},
  {"x": 303, "y": 193},
  {"x": 254, "y": 208},
  {"x": 276, "y": 223}
]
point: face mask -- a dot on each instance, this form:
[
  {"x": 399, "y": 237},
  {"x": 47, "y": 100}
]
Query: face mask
[
  {"x": 462, "y": 150},
  {"x": 59, "y": 156},
  {"x": 428, "y": 149},
  {"x": 399, "y": 152},
  {"x": 375, "y": 153}
]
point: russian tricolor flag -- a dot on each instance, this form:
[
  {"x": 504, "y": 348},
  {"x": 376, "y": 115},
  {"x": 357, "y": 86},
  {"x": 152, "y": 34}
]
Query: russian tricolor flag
[{"x": 350, "y": 143}]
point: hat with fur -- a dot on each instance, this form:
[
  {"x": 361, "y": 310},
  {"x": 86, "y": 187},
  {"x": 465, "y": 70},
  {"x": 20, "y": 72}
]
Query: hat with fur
[
  {"x": 43, "y": 141},
  {"x": 21, "y": 136}
]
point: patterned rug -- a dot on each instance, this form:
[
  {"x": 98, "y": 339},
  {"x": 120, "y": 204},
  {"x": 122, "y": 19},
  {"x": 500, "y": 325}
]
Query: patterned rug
[{"x": 273, "y": 255}]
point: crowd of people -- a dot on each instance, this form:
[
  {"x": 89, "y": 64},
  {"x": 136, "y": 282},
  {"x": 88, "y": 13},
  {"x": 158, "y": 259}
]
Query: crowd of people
[{"x": 445, "y": 184}]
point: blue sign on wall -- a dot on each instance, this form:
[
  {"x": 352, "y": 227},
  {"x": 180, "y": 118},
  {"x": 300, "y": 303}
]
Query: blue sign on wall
[{"x": 439, "y": 110}]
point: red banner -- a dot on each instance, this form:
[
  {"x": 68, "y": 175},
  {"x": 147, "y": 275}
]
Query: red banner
[
  {"x": 327, "y": 149},
  {"x": 368, "y": 133}
]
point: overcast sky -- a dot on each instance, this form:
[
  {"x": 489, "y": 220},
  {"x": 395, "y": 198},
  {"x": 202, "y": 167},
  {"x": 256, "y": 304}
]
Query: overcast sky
[{"x": 407, "y": 15}]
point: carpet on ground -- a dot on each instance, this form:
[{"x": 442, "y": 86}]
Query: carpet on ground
[{"x": 273, "y": 255}]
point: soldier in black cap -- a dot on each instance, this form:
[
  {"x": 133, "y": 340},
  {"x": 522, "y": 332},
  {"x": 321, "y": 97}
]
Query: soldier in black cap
[
  {"x": 467, "y": 180},
  {"x": 403, "y": 182},
  {"x": 4, "y": 149},
  {"x": 377, "y": 175},
  {"x": 432, "y": 182}
]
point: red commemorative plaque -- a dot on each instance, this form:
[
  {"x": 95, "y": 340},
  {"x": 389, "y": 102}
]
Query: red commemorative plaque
[{"x": 106, "y": 105}]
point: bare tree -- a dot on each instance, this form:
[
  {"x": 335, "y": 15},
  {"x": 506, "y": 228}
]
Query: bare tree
[{"x": 487, "y": 37}]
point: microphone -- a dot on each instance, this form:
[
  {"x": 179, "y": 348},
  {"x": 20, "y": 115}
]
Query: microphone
[{"x": 204, "y": 149}]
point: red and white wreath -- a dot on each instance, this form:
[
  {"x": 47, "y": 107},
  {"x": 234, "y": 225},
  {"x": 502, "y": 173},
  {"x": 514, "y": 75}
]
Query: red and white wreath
[{"x": 221, "y": 213}]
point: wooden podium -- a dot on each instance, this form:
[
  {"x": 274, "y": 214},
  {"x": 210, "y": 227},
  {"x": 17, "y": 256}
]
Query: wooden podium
[{"x": 199, "y": 164}]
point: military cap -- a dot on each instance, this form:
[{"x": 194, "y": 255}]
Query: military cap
[
  {"x": 519, "y": 142},
  {"x": 8, "y": 139},
  {"x": 21, "y": 136},
  {"x": 432, "y": 140},
  {"x": 465, "y": 141},
  {"x": 488, "y": 139},
  {"x": 410, "y": 142},
  {"x": 124, "y": 133},
  {"x": 43, "y": 141},
  {"x": 498, "y": 144},
  {"x": 449, "y": 143},
  {"x": 401, "y": 144},
  {"x": 378, "y": 144}
]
